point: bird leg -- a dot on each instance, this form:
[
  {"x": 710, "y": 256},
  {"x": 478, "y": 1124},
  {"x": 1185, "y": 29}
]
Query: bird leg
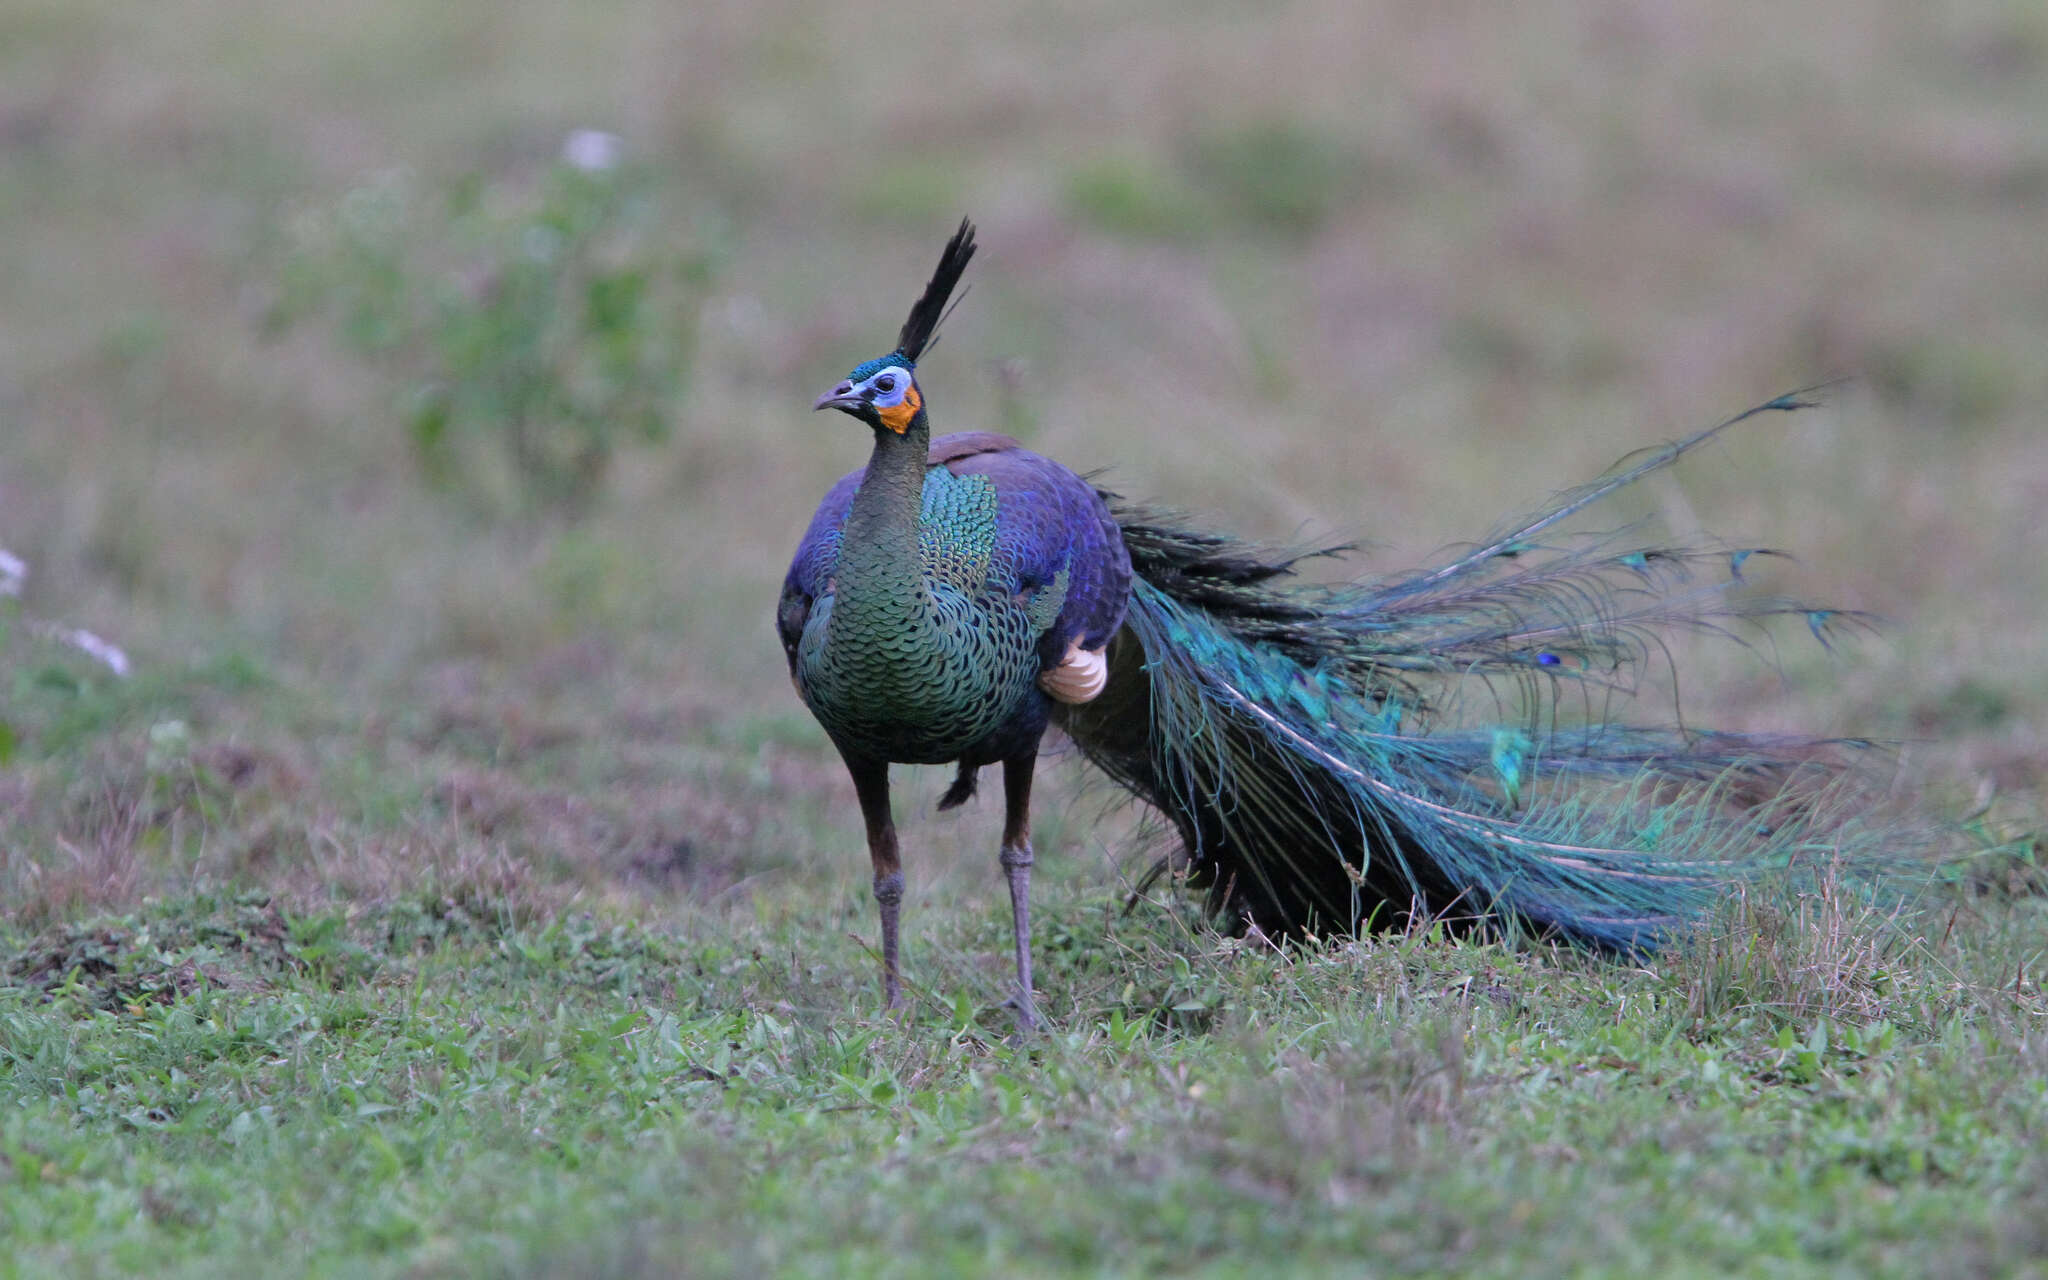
[
  {"x": 1016, "y": 860},
  {"x": 871, "y": 784}
]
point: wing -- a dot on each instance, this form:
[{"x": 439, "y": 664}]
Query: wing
[
  {"x": 1052, "y": 521},
  {"x": 810, "y": 573}
]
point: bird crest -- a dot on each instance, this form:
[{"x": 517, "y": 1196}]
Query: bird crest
[
  {"x": 921, "y": 329},
  {"x": 883, "y": 392}
]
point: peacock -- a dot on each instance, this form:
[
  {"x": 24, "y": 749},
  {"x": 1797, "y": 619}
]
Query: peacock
[{"x": 1440, "y": 744}]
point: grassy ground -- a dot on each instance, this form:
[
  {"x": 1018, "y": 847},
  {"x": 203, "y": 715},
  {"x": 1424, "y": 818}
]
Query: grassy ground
[{"x": 444, "y": 895}]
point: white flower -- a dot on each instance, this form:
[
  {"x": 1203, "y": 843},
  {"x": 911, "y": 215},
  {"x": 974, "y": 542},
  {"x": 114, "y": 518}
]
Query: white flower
[
  {"x": 93, "y": 647},
  {"x": 592, "y": 150},
  {"x": 13, "y": 573}
]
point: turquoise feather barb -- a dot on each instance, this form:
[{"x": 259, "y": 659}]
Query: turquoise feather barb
[{"x": 1443, "y": 743}]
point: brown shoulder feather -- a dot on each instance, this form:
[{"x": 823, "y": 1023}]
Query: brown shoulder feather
[{"x": 947, "y": 450}]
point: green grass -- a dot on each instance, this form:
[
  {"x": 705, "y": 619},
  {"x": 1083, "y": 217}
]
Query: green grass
[
  {"x": 435, "y": 1086},
  {"x": 446, "y": 895}
]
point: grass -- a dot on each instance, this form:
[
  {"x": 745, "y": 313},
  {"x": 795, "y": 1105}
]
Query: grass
[
  {"x": 449, "y": 895},
  {"x": 433, "y": 1085}
]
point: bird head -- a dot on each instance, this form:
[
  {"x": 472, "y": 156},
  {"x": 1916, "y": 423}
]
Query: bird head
[
  {"x": 881, "y": 393},
  {"x": 884, "y": 393}
]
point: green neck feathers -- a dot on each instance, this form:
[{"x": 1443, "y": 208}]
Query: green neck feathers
[{"x": 879, "y": 581}]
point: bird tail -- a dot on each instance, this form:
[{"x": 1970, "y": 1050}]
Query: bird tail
[{"x": 1316, "y": 749}]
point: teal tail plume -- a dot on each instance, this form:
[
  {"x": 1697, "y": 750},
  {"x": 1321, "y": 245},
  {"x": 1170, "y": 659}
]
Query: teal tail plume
[{"x": 1314, "y": 747}]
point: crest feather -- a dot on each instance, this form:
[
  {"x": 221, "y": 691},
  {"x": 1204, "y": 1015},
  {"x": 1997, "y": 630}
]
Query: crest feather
[{"x": 930, "y": 309}]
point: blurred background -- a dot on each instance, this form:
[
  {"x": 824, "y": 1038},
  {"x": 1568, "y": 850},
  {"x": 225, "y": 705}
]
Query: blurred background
[{"x": 418, "y": 396}]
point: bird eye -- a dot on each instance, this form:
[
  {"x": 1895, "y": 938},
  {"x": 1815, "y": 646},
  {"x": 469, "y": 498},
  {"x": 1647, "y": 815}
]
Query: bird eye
[{"x": 887, "y": 382}]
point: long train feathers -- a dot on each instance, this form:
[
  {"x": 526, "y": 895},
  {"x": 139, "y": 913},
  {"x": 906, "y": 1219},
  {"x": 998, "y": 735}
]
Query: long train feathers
[{"x": 1309, "y": 744}]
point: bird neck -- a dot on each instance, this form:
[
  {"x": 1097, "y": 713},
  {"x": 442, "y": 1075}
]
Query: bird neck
[{"x": 878, "y": 562}]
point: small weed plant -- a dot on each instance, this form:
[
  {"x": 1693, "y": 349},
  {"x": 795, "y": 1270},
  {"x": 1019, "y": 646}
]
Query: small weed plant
[{"x": 530, "y": 332}]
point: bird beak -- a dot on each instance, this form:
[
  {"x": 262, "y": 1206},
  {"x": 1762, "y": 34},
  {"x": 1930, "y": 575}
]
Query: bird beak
[{"x": 839, "y": 397}]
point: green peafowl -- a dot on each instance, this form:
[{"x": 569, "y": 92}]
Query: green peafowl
[{"x": 1310, "y": 744}]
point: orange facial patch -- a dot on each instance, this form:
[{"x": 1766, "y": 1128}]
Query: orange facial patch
[{"x": 897, "y": 416}]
